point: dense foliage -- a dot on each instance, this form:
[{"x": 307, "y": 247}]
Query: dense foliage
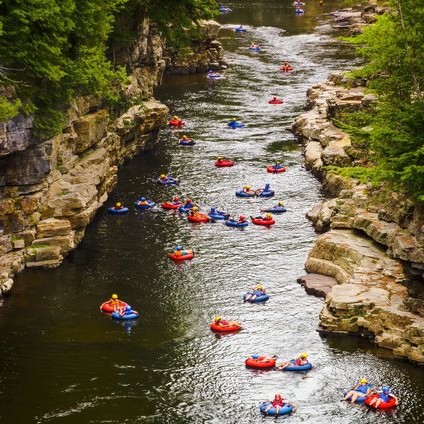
[
  {"x": 54, "y": 50},
  {"x": 394, "y": 50}
]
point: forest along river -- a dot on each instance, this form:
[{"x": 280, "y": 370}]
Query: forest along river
[{"x": 63, "y": 361}]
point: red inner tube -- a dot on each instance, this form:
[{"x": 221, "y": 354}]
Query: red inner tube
[
  {"x": 171, "y": 205},
  {"x": 261, "y": 362},
  {"x": 198, "y": 218},
  {"x": 226, "y": 328},
  {"x": 271, "y": 169},
  {"x": 189, "y": 255},
  {"x": 176, "y": 123},
  {"x": 263, "y": 221},
  {"x": 107, "y": 308},
  {"x": 275, "y": 102},
  {"x": 224, "y": 163},
  {"x": 383, "y": 405},
  {"x": 289, "y": 69}
]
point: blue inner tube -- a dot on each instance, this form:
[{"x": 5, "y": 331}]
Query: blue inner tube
[
  {"x": 285, "y": 409},
  {"x": 236, "y": 224},
  {"x": 360, "y": 399},
  {"x": 258, "y": 299},
  {"x": 126, "y": 317},
  {"x": 121, "y": 211},
  {"x": 294, "y": 367},
  {"x": 214, "y": 75},
  {"x": 168, "y": 182},
  {"x": 240, "y": 30},
  {"x": 276, "y": 209},
  {"x": 255, "y": 49},
  {"x": 186, "y": 143},
  {"x": 149, "y": 205},
  {"x": 184, "y": 209},
  {"x": 235, "y": 125},
  {"x": 241, "y": 193},
  {"x": 269, "y": 193},
  {"x": 299, "y": 12},
  {"x": 219, "y": 215}
]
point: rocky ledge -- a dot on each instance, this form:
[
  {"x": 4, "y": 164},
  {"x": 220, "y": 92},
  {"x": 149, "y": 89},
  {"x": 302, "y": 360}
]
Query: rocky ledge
[
  {"x": 369, "y": 261},
  {"x": 51, "y": 189},
  {"x": 204, "y": 54}
]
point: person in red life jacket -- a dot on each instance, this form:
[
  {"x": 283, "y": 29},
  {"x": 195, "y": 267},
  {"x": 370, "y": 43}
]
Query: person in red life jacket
[
  {"x": 242, "y": 219},
  {"x": 384, "y": 396},
  {"x": 286, "y": 67},
  {"x": 277, "y": 403},
  {"x": 268, "y": 217},
  {"x": 248, "y": 190},
  {"x": 176, "y": 200},
  {"x": 301, "y": 360},
  {"x": 361, "y": 390},
  {"x": 221, "y": 322}
]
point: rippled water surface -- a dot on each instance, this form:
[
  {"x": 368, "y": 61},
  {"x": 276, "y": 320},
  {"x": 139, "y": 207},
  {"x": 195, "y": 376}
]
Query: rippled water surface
[{"x": 63, "y": 361}]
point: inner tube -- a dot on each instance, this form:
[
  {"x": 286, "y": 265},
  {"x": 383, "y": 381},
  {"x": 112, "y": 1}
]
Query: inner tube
[
  {"x": 127, "y": 316},
  {"x": 295, "y": 367},
  {"x": 235, "y": 124},
  {"x": 184, "y": 209},
  {"x": 240, "y": 29},
  {"x": 225, "y": 329},
  {"x": 275, "y": 209},
  {"x": 107, "y": 308},
  {"x": 261, "y": 362},
  {"x": 299, "y": 11},
  {"x": 241, "y": 193},
  {"x": 236, "y": 224},
  {"x": 176, "y": 123},
  {"x": 189, "y": 254},
  {"x": 285, "y": 409},
  {"x": 149, "y": 205},
  {"x": 224, "y": 9},
  {"x": 214, "y": 75},
  {"x": 120, "y": 211},
  {"x": 223, "y": 163},
  {"x": 189, "y": 142},
  {"x": 275, "y": 102},
  {"x": 258, "y": 221},
  {"x": 360, "y": 399},
  {"x": 254, "y": 49},
  {"x": 198, "y": 218},
  {"x": 272, "y": 170},
  {"x": 268, "y": 193},
  {"x": 258, "y": 299},
  {"x": 169, "y": 181},
  {"x": 171, "y": 205},
  {"x": 383, "y": 405},
  {"x": 219, "y": 215}
]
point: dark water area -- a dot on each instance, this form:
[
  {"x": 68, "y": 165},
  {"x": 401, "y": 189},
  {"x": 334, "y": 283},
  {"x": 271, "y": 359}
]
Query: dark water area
[{"x": 62, "y": 361}]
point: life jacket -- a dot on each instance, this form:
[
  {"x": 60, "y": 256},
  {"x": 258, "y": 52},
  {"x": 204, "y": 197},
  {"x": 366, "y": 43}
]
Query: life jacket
[{"x": 363, "y": 388}]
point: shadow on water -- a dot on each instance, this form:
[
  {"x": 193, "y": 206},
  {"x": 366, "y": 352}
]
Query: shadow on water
[{"x": 63, "y": 361}]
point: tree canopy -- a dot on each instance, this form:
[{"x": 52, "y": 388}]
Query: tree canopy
[
  {"x": 54, "y": 50},
  {"x": 394, "y": 50}
]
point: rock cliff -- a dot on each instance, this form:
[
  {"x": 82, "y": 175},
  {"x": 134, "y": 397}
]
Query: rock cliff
[
  {"x": 371, "y": 253},
  {"x": 51, "y": 189}
]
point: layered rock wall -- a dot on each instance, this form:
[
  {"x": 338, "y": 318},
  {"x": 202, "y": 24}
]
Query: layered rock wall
[
  {"x": 51, "y": 189},
  {"x": 372, "y": 249}
]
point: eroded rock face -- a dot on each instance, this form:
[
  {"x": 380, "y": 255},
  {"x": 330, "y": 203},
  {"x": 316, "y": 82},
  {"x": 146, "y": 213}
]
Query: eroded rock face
[
  {"x": 51, "y": 189},
  {"x": 371, "y": 236},
  {"x": 206, "y": 53}
]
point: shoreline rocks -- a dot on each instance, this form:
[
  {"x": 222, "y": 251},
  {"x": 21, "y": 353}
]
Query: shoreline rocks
[{"x": 369, "y": 261}]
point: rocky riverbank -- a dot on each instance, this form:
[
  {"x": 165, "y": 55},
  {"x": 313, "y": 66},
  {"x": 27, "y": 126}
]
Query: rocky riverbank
[
  {"x": 369, "y": 261},
  {"x": 51, "y": 189}
]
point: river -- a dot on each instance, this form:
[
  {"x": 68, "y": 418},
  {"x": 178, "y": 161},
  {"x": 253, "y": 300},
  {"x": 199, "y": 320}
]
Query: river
[{"x": 62, "y": 361}]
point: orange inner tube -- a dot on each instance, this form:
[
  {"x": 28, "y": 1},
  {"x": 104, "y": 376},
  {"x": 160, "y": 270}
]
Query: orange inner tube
[
  {"x": 261, "y": 362},
  {"x": 107, "y": 306},
  {"x": 225, "y": 328},
  {"x": 189, "y": 255}
]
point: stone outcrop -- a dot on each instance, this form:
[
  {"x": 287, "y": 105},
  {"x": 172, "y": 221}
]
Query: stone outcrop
[
  {"x": 373, "y": 242},
  {"x": 205, "y": 53},
  {"x": 51, "y": 189}
]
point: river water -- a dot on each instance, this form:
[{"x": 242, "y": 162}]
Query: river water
[{"x": 64, "y": 362}]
